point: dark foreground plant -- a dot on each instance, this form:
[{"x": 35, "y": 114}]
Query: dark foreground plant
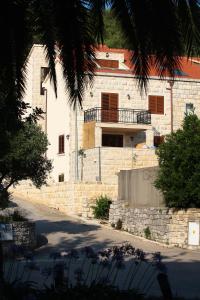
[{"x": 119, "y": 272}]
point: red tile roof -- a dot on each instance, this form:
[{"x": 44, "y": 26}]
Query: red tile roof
[{"x": 190, "y": 67}]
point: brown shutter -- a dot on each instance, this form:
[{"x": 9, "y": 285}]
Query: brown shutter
[
  {"x": 158, "y": 140},
  {"x": 113, "y": 107},
  {"x": 109, "y": 105},
  {"x": 152, "y": 104},
  {"x": 107, "y": 63},
  {"x": 61, "y": 146},
  {"x": 160, "y": 105},
  {"x": 105, "y": 101},
  {"x": 156, "y": 104},
  {"x": 105, "y": 107}
]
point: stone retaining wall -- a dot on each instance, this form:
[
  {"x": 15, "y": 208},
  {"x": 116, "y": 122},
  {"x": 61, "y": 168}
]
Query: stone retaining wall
[
  {"x": 165, "y": 225},
  {"x": 24, "y": 234},
  {"x": 68, "y": 197}
]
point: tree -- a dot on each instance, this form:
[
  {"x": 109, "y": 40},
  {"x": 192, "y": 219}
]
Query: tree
[
  {"x": 179, "y": 161},
  {"x": 113, "y": 35},
  {"x": 25, "y": 158}
]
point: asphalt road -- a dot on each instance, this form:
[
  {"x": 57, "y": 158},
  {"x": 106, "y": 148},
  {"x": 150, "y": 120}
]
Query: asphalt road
[{"x": 59, "y": 232}]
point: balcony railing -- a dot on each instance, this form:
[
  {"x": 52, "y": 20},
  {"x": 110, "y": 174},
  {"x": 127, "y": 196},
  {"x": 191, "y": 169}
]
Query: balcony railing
[{"x": 120, "y": 115}]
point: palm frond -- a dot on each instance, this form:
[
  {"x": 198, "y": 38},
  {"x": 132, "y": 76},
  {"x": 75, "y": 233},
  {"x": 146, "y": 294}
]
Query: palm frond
[
  {"x": 76, "y": 41},
  {"x": 43, "y": 15},
  {"x": 158, "y": 28}
]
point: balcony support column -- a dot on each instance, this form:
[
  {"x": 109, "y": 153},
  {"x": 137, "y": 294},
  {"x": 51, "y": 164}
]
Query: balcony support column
[
  {"x": 98, "y": 136},
  {"x": 149, "y": 137}
]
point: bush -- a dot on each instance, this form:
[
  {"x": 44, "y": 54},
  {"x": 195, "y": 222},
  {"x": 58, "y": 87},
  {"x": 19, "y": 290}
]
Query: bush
[
  {"x": 101, "y": 210},
  {"x": 179, "y": 161},
  {"x": 119, "y": 224},
  {"x": 147, "y": 233}
]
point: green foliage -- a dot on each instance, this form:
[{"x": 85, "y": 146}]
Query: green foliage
[
  {"x": 113, "y": 35},
  {"x": 118, "y": 225},
  {"x": 101, "y": 210},
  {"x": 179, "y": 160},
  {"x": 25, "y": 158},
  {"x": 147, "y": 233}
]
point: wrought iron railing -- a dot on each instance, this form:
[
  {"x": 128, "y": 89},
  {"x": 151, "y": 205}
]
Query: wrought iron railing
[{"x": 120, "y": 115}]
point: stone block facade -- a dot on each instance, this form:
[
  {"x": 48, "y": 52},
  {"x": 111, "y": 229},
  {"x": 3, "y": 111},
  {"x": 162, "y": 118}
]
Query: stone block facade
[
  {"x": 70, "y": 198},
  {"x": 162, "y": 224},
  {"x": 104, "y": 163}
]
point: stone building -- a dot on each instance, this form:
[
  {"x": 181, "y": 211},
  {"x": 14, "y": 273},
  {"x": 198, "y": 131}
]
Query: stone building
[{"x": 118, "y": 126}]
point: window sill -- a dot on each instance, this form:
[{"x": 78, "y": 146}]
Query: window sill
[{"x": 61, "y": 154}]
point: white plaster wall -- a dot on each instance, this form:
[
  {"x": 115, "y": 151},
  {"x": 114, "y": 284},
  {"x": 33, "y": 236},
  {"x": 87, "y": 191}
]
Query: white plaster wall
[
  {"x": 35, "y": 61},
  {"x": 58, "y": 112}
]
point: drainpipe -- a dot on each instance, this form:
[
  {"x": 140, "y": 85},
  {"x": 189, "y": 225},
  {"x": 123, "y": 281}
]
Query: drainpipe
[
  {"x": 45, "y": 129},
  {"x": 171, "y": 84},
  {"x": 100, "y": 164},
  {"x": 46, "y": 94},
  {"x": 76, "y": 145}
]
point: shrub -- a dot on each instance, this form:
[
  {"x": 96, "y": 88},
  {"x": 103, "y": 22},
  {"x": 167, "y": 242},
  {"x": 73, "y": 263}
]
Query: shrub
[
  {"x": 119, "y": 224},
  {"x": 179, "y": 161},
  {"x": 147, "y": 233},
  {"x": 101, "y": 210}
]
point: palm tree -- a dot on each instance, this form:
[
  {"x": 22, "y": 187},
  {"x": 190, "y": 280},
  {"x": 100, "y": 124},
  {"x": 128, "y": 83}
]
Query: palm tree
[{"x": 158, "y": 32}]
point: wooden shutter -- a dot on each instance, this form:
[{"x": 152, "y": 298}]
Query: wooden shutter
[
  {"x": 61, "y": 145},
  {"x": 105, "y": 107},
  {"x": 160, "y": 105},
  {"x": 109, "y": 106},
  {"x": 152, "y": 104},
  {"x": 156, "y": 104},
  {"x": 158, "y": 140},
  {"x": 113, "y": 107},
  {"x": 107, "y": 63}
]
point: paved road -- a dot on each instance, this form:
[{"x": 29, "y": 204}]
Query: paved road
[{"x": 61, "y": 232}]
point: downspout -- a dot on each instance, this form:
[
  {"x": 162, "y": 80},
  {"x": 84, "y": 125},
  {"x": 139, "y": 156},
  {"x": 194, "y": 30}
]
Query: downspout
[
  {"x": 171, "y": 84},
  {"x": 46, "y": 95}
]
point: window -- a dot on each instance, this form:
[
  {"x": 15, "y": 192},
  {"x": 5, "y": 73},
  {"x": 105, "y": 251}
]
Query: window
[
  {"x": 189, "y": 108},
  {"x": 156, "y": 104},
  {"x": 112, "y": 140},
  {"x": 158, "y": 140},
  {"x": 61, "y": 144},
  {"x": 61, "y": 177},
  {"x": 43, "y": 73},
  {"x": 109, "y": 105},
  {"x": 107, "y": 63}
]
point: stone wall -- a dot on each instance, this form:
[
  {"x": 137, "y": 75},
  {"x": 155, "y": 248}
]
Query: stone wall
[
  {"x": 24, "y": 234},
  {"x": 165, "y": 225},
  {"x": 68, "y": 197},
  {"x": 111, "y": 160}
]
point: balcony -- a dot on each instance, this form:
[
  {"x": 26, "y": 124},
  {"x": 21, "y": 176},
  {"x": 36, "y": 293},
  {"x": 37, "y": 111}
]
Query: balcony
[{"x": 120, "y": 115}]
